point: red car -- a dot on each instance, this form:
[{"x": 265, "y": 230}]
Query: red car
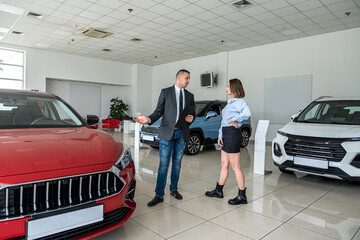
[{"x": 59, "y": 178}]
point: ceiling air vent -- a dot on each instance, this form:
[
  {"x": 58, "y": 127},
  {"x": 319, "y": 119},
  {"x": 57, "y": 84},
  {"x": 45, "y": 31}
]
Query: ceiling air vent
[
  {"x": 135, "y": 40},
  {"x": 35, "y": 15},
  {"x": 96, "y": 33},
  {"x": 17, "y": 33},
  {"x": 241, "y": 4}
]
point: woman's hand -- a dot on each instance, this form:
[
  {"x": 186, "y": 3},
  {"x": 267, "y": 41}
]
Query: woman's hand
[
  {"x": 220, "y": 142},
  {"x": 189, "y": 118},
  {"x": 234, "y": 123}
]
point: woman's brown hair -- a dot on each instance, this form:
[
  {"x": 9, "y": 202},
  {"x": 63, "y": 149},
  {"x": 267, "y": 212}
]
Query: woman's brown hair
[{"x": 236, "y": 88}]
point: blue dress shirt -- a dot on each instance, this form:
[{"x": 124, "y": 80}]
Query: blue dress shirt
[{"x": 237, "y": 110}]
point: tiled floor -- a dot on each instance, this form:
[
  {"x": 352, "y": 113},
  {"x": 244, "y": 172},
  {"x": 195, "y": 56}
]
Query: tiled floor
[{"x": 280, "y": 206}]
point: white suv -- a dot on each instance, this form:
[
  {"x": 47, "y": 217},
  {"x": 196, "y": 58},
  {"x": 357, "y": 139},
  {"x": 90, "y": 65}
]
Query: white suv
[{"x": 323, "y": 139}]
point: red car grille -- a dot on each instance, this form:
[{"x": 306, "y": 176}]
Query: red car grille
[{"x": 37, "y": 197}]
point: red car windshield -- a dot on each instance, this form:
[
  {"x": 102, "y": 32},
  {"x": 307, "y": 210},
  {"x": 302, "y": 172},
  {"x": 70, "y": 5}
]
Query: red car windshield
[{"x": 22, "y": 111}]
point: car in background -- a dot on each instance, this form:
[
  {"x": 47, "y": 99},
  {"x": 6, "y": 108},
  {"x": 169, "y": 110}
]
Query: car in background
[
  {"x": 323, "y": 140},
  {"x": 59, "y": 178},
  {"x": 203, "y": 131}
]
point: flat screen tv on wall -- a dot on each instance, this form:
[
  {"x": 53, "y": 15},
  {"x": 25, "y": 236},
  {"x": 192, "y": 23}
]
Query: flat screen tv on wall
[{"x": 207, "y": 80}]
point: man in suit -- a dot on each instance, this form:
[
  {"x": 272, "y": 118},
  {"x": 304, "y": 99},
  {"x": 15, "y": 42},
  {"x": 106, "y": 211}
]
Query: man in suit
[{"x": 173, "y": 133}]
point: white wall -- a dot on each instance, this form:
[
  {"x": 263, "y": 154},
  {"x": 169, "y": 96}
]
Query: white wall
[
  {"x": 45, "y": 64},
  {"x": 61, "y": 88},
  {"x": 333, "y": 59}
]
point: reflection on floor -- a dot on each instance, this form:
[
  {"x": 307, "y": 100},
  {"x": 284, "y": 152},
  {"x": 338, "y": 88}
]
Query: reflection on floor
[{"x": 280, "y": 206}]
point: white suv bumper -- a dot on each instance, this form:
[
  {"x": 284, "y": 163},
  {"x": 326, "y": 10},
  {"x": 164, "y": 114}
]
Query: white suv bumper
[{"x": 312, "y": 159}]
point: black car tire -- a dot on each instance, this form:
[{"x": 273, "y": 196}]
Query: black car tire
[
  {"x": 194, "y": 144},
  {"x": 245, "y": 138},
  {"x": 285, "y": 171}
]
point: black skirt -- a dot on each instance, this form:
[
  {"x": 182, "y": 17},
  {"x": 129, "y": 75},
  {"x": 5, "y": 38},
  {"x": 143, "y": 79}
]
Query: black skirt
[{"x": 231, "y": 139}]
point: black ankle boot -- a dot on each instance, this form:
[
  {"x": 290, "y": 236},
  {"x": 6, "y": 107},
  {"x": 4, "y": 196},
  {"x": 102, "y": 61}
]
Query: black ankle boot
[
  {"x": 239, "y": 199},
  {"x": 217, "y": 192}
]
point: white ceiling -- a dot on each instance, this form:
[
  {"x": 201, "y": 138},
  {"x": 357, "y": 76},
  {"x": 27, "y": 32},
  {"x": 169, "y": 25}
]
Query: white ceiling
[{"x": 170, "y": 30}]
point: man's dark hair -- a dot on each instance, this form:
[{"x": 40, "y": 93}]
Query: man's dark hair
[{"x": 181, "y": 72}]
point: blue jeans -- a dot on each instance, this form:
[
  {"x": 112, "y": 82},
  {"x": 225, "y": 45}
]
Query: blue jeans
[{"x": 176, "y": 147}]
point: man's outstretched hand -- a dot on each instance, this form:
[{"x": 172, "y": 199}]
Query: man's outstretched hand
[{"x": 142, "y": 119}]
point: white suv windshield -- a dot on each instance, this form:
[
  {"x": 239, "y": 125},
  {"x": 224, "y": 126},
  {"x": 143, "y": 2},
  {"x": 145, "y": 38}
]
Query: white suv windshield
[
  {"x": 21, "y": 111},
  {"x": 331, "y": 112}
]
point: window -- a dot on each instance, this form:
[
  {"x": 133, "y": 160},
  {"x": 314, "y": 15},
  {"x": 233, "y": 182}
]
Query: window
[
  {"x": 215, "y": 108},
  {"x": 331, "y": 112},
  {"x": 11, "y": 69},
  {"x": 18, "y": 110}
]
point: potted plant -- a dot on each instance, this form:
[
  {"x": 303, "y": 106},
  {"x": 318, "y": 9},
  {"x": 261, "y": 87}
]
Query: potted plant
[
  {"x": 118, "y": 109},
  {"x": 117, "y": 114}
]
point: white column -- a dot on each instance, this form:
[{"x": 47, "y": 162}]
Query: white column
[{"x": 137, "y": 135}]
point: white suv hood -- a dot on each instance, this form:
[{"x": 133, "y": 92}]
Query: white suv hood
[{"x": 322, "y": 130}]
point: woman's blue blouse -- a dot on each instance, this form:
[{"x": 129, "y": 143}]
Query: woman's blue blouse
[{"x": 237, "y": 110}]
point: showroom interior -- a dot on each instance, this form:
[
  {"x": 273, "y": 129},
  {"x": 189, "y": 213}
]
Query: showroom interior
[{"x": 287, "y": 53}]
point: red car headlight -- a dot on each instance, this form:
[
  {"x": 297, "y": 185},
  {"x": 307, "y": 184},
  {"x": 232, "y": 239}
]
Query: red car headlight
[{"x": 125, "y": 158}]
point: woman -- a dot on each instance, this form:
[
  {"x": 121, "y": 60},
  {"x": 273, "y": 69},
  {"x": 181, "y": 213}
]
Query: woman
[{"x": 229, "y": 139}]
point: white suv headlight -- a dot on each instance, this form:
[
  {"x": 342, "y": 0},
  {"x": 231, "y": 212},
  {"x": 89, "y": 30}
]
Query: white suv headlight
[{"x": 125, "y": 158}]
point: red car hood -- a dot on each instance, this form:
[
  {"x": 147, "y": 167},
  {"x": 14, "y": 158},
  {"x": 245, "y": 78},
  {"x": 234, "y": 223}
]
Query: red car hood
[{"x": 64, "y": 151}]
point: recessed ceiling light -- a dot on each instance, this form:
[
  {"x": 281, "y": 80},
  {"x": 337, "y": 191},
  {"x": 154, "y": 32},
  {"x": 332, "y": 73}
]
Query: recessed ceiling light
[
  {"x": 35, "y": 15},
  {"x": 63, "y": 33},
  {"x": 42, "y": 45},
  {"x": 291, "y": 32},
  {"x": 4, "y": 30},
  {"x": 11, "y": 9},
  {"x": 226, "y": 1},
  {"x": 188, "y": 53}
]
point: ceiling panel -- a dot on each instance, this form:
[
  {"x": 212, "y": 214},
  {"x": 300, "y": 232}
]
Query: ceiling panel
[{"x": 171, "y": 30}]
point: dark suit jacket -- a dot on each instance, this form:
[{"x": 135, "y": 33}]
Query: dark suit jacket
[{"x": 166, "y": 108}]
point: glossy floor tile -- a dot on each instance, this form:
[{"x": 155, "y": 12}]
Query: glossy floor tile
[
  {"x": 292, "y": 232},
  {"x": 205, "y": 207},
  {"x": 247, "y": 223},
  {"x": 280, "y": 206},
  {"x": 168, "y": 221},
  {"x": 208, "y": 231},
  {"x": 330, "y": 226},
  {"x": 130, "y": 230},
  {"x": 273, "y": 209}
]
